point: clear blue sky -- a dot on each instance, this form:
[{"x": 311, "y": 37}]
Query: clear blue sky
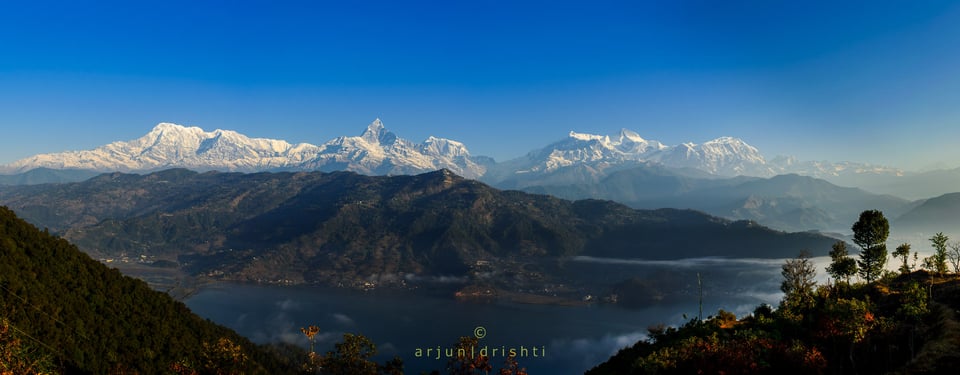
[{"x": 874, "y": 81}]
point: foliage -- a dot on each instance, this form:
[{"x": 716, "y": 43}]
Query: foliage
[
  {"x": 351, "y": 356},
  {"x": 842, "y": 266},
  {"x": 870, "y": 233},
  {"x": 913, "y": 303},
  {"x": 466, "y": 362},
  {"x": 99, "y": 321},
  {"x": 223, "y": 357},
  {"x": 311, "y": 333},
  {"x": 903, "y": 252},
  {"x": 871, "y": 229},
  {"x": 19, "y": 356},
  {"x": 512, "y": 367},
  {"x": 798, "y": 281},
  {"x": 887, "y": 326},
  {"x": 938, "y": 261}
]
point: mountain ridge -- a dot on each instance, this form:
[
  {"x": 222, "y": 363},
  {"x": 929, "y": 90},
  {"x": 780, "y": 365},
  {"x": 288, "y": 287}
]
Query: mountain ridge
[
  {"x": 346, "y": 228},
  {"x": 378, "y": 151}
]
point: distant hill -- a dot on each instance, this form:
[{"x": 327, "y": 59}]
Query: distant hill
[
  {"x": 788, "y": 202},
  {"x": 339, "y": 228},
  {"x": 46, "y": 176},
  {"x": 939, "y": 214},
  {"x": 91, "y": 320}
]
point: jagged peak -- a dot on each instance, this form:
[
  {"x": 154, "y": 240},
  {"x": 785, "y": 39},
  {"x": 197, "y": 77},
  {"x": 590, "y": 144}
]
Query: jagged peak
[
  {"x": 377, "y": 133},
  {"x": 376, "y": 126}
]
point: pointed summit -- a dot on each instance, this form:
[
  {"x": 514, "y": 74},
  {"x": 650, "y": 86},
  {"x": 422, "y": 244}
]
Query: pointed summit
[{"x": 377, "y": 133}]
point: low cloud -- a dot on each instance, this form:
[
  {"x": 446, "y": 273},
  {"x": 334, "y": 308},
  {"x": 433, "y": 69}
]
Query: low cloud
[
  {"x": 592, "y": 351},
  {"x": 342, "y": 319},
  {"x": 288, "y": 305}
]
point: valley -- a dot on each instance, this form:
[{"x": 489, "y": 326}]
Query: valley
[{"x": 436, "y": 231}]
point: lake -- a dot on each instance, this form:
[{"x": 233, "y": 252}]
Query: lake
[{"x": 568, "y": 339}]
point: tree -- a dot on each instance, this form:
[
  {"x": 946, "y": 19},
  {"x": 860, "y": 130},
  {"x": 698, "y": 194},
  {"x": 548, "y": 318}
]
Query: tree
[
  {"x": 511, "y": 367},
  {"x": 954, "y": 255},
  {"x": 798, "y": 280},
  {"x": 903, "y": 252},
  {"x": 849, "y": 320},
  {"x": 311, "y": 333},
  {"x": 20, "y": 357},
  {"x": 467, "y": 361},
  {"x": 913, "y": 305},
  {"x": 938, "y": 261},
  {"x": 842, "y": 266},
  {"x": 224, "y": 357},
  {"x": 352, "y": 356},
  {"x": 870, "y": 233}
]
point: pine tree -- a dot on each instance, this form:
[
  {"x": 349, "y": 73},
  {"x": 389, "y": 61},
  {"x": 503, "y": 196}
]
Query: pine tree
[{"x": 870, "y": 233}]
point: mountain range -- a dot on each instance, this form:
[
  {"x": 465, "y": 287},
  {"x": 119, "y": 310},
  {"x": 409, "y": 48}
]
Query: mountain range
[
  {"x": 342, "y": 228},
  {"x": 378, "y": 151},
  {"x": 787, "y": 202},
  {"x": 725, "y": 177}
]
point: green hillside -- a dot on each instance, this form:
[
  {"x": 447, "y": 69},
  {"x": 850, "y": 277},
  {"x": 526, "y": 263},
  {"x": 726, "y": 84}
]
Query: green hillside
[{"x": 78, "y": 316}]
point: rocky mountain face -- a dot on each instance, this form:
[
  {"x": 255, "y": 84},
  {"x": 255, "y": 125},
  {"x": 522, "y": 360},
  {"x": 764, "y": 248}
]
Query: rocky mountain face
[{"x": 343, "y": 228}]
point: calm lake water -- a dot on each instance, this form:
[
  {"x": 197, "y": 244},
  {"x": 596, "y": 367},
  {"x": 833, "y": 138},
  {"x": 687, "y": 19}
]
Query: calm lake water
[{"x": 569, "y": 339}]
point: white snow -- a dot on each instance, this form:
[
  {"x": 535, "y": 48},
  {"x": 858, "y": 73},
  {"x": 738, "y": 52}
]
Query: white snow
[{"x": 375, "y": 151}]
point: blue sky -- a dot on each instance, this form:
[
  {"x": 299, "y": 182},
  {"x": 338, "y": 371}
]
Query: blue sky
[{"x": 864, "y": 81}]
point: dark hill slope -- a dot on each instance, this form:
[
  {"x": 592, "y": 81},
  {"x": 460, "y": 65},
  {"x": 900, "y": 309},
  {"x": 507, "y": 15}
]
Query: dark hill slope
[
  {"x": 94, "y": 320},
  {"x": 324, "y": 227}
]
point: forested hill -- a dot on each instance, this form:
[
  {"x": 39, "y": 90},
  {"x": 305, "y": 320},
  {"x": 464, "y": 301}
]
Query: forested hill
[
  {"x": 62, "y": 311},
  {"x": 338, "y": 227}
]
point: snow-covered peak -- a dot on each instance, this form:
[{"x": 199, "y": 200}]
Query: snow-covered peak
[
  {"x": 377, "y": 133},
  {"x": 630, "y": 135},
  {"x": 587, "y": 137},
  {"x": 165, "y": 126},
  {"x": 440, "y": 146},
  {"x": 724, "y": 155},
  {"x": 168, "y": 145}
]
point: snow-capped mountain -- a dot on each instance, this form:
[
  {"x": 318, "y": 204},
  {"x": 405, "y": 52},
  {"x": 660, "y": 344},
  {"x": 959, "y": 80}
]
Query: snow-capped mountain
[
  {"x": 380, "y": 152},
  {"x": 583, "y": 158},
  {"x": 598, "y": 154},
  {"x": 376, "y": 151},
  {"x": 577, "y": 158},
  {"x": 724, "y": 156}
]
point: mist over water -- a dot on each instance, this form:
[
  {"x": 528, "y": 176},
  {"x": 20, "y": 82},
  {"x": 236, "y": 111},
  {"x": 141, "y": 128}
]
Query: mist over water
[{"x": 573, "y": 339}]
